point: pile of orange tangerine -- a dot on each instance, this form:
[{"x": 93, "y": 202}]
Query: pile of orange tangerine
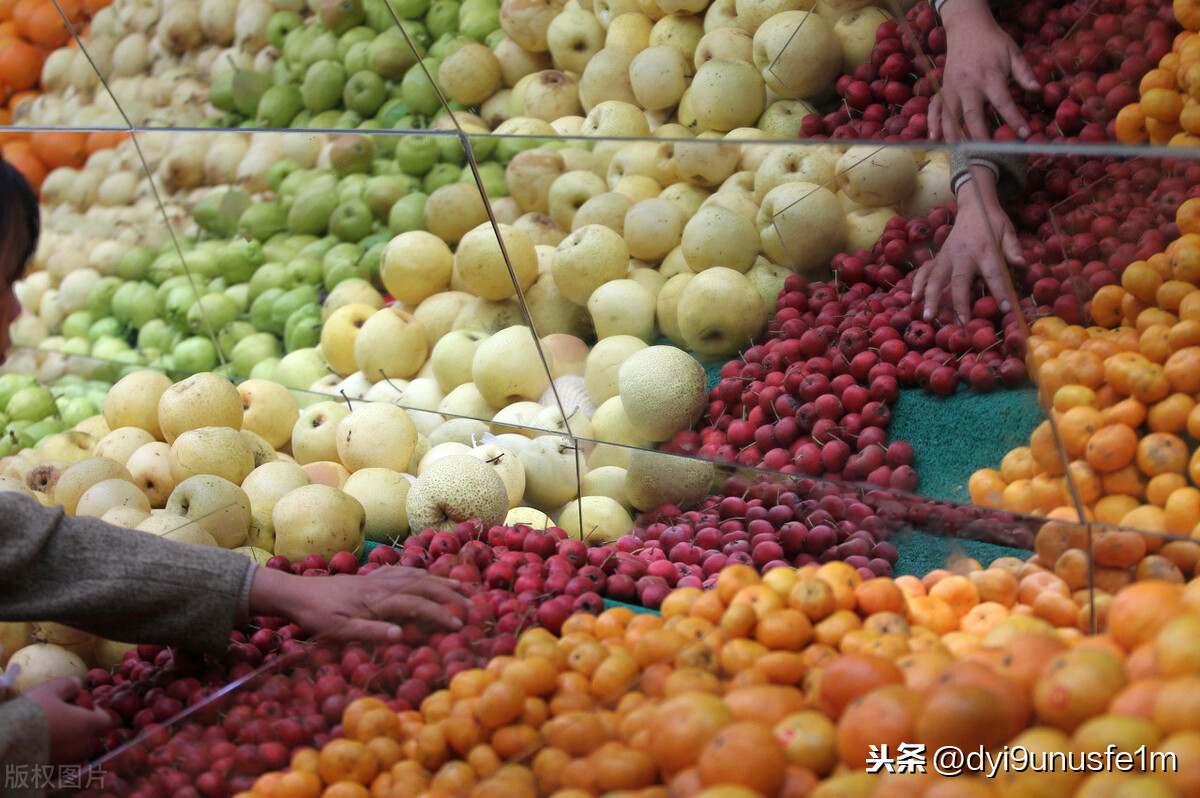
[
  {"x": 777, "y": 686},
  {"x": 1124, "y": 421},
  {"x": 1169, "y": 109}
]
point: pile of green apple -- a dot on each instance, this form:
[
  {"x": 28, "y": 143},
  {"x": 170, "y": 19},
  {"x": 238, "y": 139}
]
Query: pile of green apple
[
  {"x": 351, "y": 66},
  {"x": 32, "y": 413}
]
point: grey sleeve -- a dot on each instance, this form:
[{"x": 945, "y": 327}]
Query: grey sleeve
[
  {"x": 117, "y": 583},
  {"x": 1012, "y": 169},
  {"x": 24, "y": 744}
]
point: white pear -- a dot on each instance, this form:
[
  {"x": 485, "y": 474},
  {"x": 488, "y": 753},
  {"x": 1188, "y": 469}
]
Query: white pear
[
  {"x": 507, "y": 465},
  {"x": 127, "y": 517},
  {"x": 70, "y": 446},
  {"x": 553, "y": 468},
  {"x": 216, "y": 506},
  {"x": 261, "y": 532},
  {"x": 390, "y": 344},
  {"x": 802, "y": 225},
  {"x": 528, "y": 516},
  {"x": 466, "y": 400},
  {"x": 314, "y": 435},
  {"x": 720, "y": 312},
  {"x": 376, "y": 435},
  {"x": 150, "y": 467},
  {"x": 622, "y": 308},
  {"x": 588, "y": 258},
  {"x": 595, "y": 520},
  {"x": 482, "y": 264},
  {"x": 416, "y": 265},
  {"x": 133, "y": 401},
  {"x": 339, "y": 333},
  {"x": 271, "y": 481},
  {"x": 452, "y": 357},
  {"x": 121, "y": 443},
  {"x": 603, "y": 365},
  {"x": 219, "y": 451},
  {"x": 611, "y": 425},
  {"x": 519, "y": 418},
  {"x": 455, "y": 489},
  {"x": 190, "y": 533},
  {"x": 81, "y": 476},
  {"x": 468, "y": 431},
  {"x": 509, "y": 367},
  {"x": 110, "y": 493},
  {"x": 607, "y": 481},
  {"x": 202, "y": 400},
  {"x": 260, "y": 450},
  {"x": 317, "y": 519},
  {"x": 383, "y": 494},
  {"x": 436, "y": 453},
  {"x": 327, "y": 472}
]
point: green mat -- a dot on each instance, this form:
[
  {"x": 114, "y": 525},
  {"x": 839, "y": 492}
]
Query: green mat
[{"x": 951, "y": 438}]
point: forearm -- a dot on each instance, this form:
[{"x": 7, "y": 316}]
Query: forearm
[
  {"x": 113, "y": 582},
  {"x": 958, "y": 15},
  {"x": 1011, "y": 170}
]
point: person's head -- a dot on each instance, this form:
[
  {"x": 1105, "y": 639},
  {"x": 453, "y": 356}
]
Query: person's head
[{"x": 20, "y": 224}]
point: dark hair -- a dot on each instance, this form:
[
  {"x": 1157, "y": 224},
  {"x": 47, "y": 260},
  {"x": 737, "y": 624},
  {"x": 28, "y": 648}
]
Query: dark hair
[{"x": 20, "y": 222}]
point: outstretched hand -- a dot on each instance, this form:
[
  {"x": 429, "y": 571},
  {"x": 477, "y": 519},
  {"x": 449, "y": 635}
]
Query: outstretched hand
[
  {"x": 980, "y": 59},
  {"x": 73, "y": 729},
  {"x": 980, "y": 242},
  {"x": 344, "y": 609}
]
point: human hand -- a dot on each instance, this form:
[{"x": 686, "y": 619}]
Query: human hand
[
  {"x": 980, "y": 242},
  {"x": 74, "y": 730},
  {"x": 980, "y": 59},
  {"x": 343, "y": 609}
]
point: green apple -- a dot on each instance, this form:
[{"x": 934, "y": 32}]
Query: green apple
[
  {"x": 351, "y": 186},
  {"x": 352, "y": 220},
  {"x": 260, "y": 309},
  {"x": 131, "y": 297},
  {"x": 72, "y": 411},
  {"x": 371, "y": 259},
  {"x": 324, "y": 48},
  {"x": 231, "y": 334},
  {"x": 32, "y": 403},
  {"x": 41, "y": 431},
  {"x": 196, "y": 354},
  {"x": 417, "y": 154},
  {"x": 303, "y": 328},
  {"x": 135, "y": 262},
  {"x": 323, "y": 84},
  {"x": 491, "y": 174},
  {"x": 417, "y": 90},
  {"x": 240, "y": 294},
  {"x": 76, "y": 346},
  {"x": 211, "y": 313},
  {"x": 478, "y": 18},
  {"x": 390, "y": 55},
  {"x": 450, "y": 150},
  {"x": 296, "y": 298},
  {"x": 238, "y": 259},
  {"x": 154, "y": 335},
  {"x": 269, "y": 275},
  {"x": 381, "y": 193},
  {"x": 107, "y": 326},
  {"x": 217, "y": 285},
  {"x": 364, "y": 92},
  {"x": 338, "y": 260},
  {"x": 357, "y": 35},
  {"x": 280, "y": 25},
  {"x": 280, "y": 170},
  {"x": 318, "y": 248},
  {"x": 265, "y": 369},
  {"x": 347, "y": 120},
  {"x": 311, "y": 211},
  {"x": 300, "y": 368},
  {"x": 302, "y": 180},
  {"x": 179, "y": 302},
  {"x": 482, "y": 147},
  {"x": 392, "y": 110},
  {"x": 252, "y": 349},
  {"x": 442, "y": 18},
  {"x": 76, "y": 325},
  {"x": 262, "y": 220},
  {"x": 441, "y": 175},
  {"x": 278, "y": 106},
  {"x": 408, "y": 213},
  {"x": 304, "y": 271},
  {"x": 11, "y": 384}
]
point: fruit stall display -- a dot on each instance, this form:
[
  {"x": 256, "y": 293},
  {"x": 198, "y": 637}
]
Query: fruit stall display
[{"x": 605, "y": 310}]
